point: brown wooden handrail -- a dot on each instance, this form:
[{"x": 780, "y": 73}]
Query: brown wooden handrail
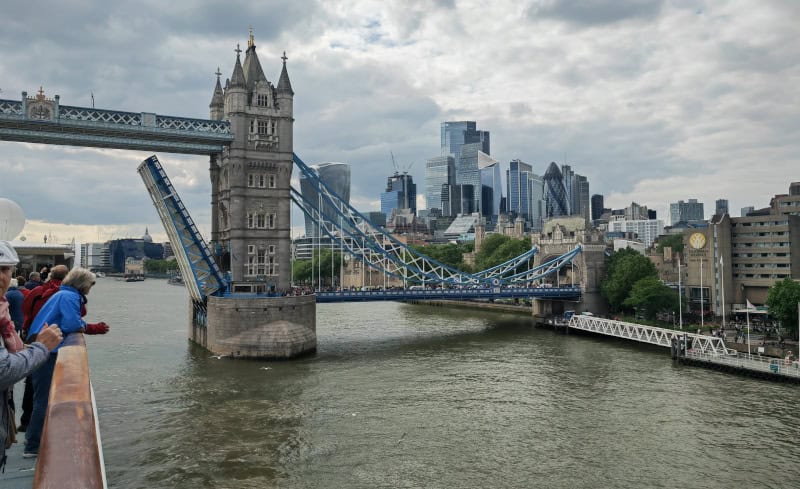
[{"x": 69, "y": 455}]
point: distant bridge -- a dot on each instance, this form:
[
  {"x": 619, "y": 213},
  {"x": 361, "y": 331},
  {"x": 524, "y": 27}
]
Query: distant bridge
[{"x": 557, "y": 293}]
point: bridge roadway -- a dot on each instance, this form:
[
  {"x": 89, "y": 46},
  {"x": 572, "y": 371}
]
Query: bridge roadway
[{"x": 557, "y": 293}]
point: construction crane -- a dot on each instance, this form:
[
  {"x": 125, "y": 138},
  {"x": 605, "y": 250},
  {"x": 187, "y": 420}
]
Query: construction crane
[{"x": 397, "y": 167}]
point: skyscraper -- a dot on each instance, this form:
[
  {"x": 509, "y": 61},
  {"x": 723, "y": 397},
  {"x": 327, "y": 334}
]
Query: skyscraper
[
  {"x": 456, "y": 133},
  {"x": 555, "y": 194},
  {"x": 401, "y": 193},
  {"x": 681, "y": 211},
  {"x": 439, "y": 170},
  {"x": 491, "y": 186},
  {"x": 537, "y": 199},
  {"x": 337, "y": 177},
  {"x": 597, "y": 206},
  {"x": 721, "y": 207},
  {"x": 467, "y": 171},
  {"x": 518, "y": 191}
]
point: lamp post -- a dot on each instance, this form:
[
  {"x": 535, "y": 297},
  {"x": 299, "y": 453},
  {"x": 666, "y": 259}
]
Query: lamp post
[
  {"x": 680, "y": 297},
  {"x": 702, "y": 323}
]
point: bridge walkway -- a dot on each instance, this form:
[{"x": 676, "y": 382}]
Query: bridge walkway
[{"x": 693, "y": 348}]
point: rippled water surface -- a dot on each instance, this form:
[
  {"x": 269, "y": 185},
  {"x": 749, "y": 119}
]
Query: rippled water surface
[{"x": 402, "y": 396}]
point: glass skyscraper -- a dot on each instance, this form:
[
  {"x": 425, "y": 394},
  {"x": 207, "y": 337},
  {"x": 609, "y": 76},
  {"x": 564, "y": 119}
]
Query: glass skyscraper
[
  {"x": 337, "y": 177},
  {"x": 491, "y": 186},
  {"x": 517, "y": 178},
  {"x": 457, "y": 133},
  {"x": 556, "y": 204},
  {"x": 401, "y": 193},
  {"x": 681, "y": 211},
  {"x": 440, "y": 170}
]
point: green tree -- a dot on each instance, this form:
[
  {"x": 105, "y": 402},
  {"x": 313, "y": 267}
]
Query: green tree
[
  {"x": 497, "y": 249},
  {"x": 307, "y": 271},
  {"x": 161, "y": 266},
  {"x": 450, "y": 254},
  {"x": 649, "y": 296},
  {"x": 673, "y": 240},
  {"x": 782, "y": 300},
  {"x": 623, "y": 269},
  {"x": 301, "y": 271}
]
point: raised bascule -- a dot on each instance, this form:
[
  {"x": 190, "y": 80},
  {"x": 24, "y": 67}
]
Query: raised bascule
[{"x": 241, "y": 300}]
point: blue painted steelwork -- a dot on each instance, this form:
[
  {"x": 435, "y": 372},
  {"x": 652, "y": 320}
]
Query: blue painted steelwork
[
  {"x": 556, "y": 293},
  {"x": 200, "y": 272},
  {"x": 383, "y": 252},
  {"x": 84, "y": 126}
]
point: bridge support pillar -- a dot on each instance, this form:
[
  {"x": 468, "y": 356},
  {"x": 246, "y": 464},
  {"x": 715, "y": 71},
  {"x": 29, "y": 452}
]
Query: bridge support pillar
[{"x": 259, "y": 327}]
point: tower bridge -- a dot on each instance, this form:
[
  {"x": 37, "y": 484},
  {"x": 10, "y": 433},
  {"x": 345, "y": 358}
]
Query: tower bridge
[{"x": 238, "y": 280}]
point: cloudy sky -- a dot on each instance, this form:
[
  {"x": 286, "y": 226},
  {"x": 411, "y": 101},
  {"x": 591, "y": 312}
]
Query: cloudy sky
[{"x": 654, "y": 101}]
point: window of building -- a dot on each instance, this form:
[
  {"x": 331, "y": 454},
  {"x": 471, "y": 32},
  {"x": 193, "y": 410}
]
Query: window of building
[
  {"x": 251, "y": 180},
  {"x": 272, "y": 180},
  {"x": 250, "y": 220},
  {"x": 252, "y": 126},
  {"x": 273, "y": 126},
  {"x": 262, "y": 100},
  {"x": 263, "y": 127},
  {"x": 251, "y": 249},
  {"x": 271, "y": 249},
  {"x": 260, "y": 221},
  {"x": 261, "y": 180},
  {"x": 272, "y": 219}
]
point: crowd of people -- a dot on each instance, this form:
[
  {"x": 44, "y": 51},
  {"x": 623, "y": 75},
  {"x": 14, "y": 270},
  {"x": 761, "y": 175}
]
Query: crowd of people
[{"x": 35, "y": 319}]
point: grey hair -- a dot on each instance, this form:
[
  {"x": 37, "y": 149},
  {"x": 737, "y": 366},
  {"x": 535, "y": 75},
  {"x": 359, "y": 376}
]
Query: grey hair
[
  {"x": 34, "y": 276},
  {"x": 80, "y": 278}
]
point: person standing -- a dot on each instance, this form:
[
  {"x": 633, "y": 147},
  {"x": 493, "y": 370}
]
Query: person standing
[
  {"x": 64, "y": 309},
  {"x": 15, "y": 299},
  {"x": 34, "y": 280},
  {"x": 15, "y": 366}
]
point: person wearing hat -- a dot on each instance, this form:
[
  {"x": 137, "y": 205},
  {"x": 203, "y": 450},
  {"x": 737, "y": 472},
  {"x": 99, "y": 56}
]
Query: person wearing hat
[{"x": 15, "y": 366}]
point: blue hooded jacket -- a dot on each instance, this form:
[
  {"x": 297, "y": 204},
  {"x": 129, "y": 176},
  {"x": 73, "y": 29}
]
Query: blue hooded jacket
[{"x": 63, "y": 309}]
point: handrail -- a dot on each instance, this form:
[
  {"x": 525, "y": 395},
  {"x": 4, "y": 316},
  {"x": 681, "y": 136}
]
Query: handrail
[{"x": 70, "y": 454}]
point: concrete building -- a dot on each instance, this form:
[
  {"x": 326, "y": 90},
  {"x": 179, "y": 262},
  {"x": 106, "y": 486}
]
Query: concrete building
[
  {"x": 96, "y": 256},
  {"x": 646, "y": 230}
]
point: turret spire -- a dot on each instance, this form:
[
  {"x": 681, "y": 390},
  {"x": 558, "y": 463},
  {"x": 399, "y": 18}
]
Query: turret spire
[
  {"x": 283, "y": 83},
  {"x": 237, "y": 79},
  {"x": 218, "y": 99}
]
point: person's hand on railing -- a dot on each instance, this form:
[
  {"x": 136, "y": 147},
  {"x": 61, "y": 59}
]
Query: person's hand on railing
[
  {"x": 50, "y": 336},
  {"x": 97, "y": 328}
]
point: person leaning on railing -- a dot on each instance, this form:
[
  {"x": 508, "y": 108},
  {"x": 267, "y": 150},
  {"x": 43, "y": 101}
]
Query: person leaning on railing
[
  {"x": 16, "y": 362},
  {"x": 64, "y": 309}
]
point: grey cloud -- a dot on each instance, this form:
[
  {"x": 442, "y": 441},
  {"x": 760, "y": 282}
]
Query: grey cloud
[{"x": 596, "y": 12}]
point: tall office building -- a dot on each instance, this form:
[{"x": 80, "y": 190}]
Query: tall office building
[
  {"x": 597, "y": 206},
  {"x": 439, "y": 170},
  {"x": 537, "y": 199},
  {"x": 517, "y": 181},
  {"x": 581, "y": 197},
  {"x": 555, "y": 193},
  {"x": 401, "y": 193},
  {"x": 457, "y": 200},
  {"x": 457, "y": 133},
  {"x": 467, "y": 171},
  {"x": 691, "y": 211},
  {"x": 721, "y": 207},
  {"x": 491, "y": 186},
  {"x": 336, "y": 176}
]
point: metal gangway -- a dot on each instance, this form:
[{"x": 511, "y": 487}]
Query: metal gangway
[
  {"x": 200, "y": 272},
  {"x": 696, "y": 343}
]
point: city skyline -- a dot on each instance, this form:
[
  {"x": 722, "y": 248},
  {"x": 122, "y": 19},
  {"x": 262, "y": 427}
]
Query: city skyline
[{"x": 653, "y": 102}]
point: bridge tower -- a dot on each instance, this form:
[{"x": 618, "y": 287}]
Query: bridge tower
[
  {"x": 250, "y": 219},
  {"x": 559, "y": 236}
]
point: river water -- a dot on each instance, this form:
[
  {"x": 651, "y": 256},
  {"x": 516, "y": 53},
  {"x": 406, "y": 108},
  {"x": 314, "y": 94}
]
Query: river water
[{"x": 402, "y": 396}]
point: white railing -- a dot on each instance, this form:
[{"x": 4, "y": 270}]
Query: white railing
[
  {"x": 710, "y": 345},
  {"x": 758, "y": 363}
]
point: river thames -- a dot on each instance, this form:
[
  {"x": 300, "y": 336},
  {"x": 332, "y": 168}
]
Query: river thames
[{"x": 403, "y": 396}]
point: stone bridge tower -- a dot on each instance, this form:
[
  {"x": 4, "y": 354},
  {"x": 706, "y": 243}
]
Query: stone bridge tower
[
  {"x": 250, "y": 230},
  {"x": 559, "y": 236},
  {"x": 250, "y": 227}
]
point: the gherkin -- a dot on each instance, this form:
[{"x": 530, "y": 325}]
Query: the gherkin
[{"x": 555, "y": 192}]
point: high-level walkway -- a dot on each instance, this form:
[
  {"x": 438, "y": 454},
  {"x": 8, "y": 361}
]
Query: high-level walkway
[{"x": 559, "y": 293}]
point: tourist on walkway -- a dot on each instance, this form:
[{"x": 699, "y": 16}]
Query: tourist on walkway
[
  {"x": 31, "y": 306},
  {"x": 15, "y": 299},
  {"x": 15, "y": 366},
  {"x": 64, "y": 309}
]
